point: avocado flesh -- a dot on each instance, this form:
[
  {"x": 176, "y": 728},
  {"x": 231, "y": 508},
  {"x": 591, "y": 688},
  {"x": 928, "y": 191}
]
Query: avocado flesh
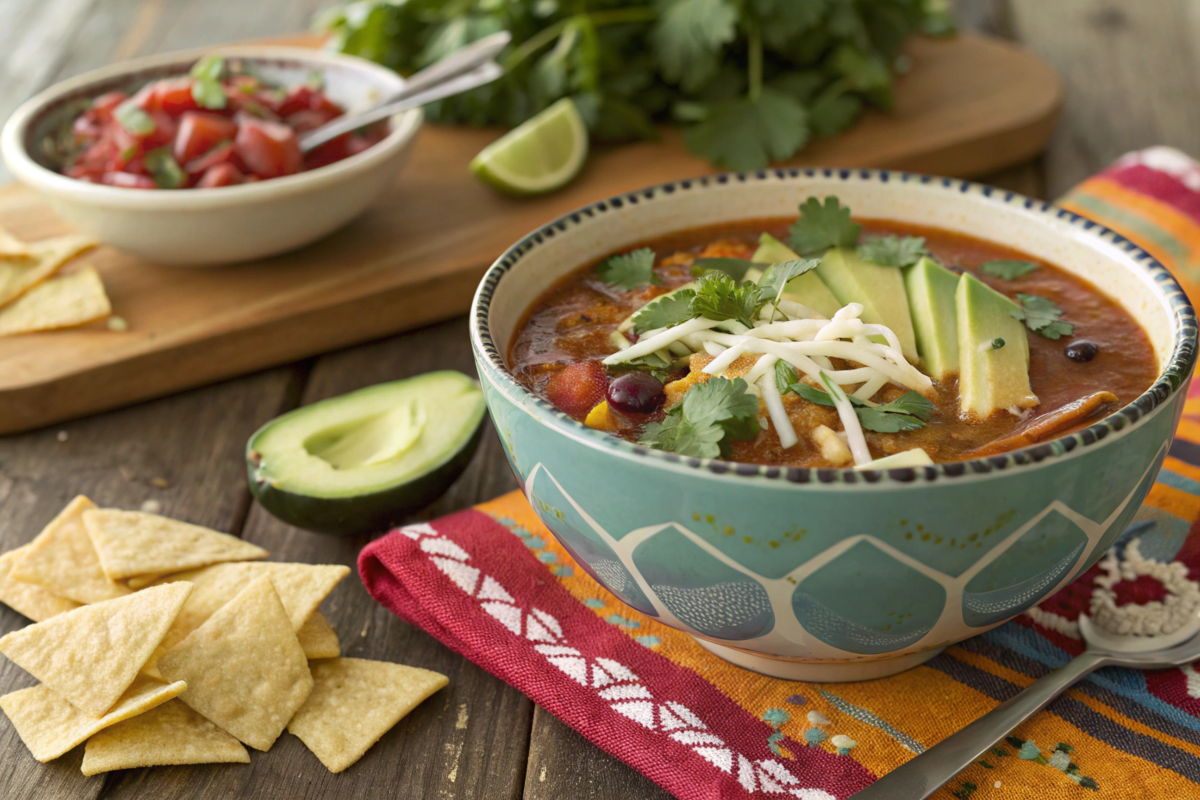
[
  {"x": 879, "y": 289},
  {"x": 931, "y": 288},
  {"x": 807, "y": 289},
  {"x": 990, "y": 379},
  {"x": 357, "y": 463}
]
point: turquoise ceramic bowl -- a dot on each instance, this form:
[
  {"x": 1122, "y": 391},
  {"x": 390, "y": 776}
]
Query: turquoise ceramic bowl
[{"x": 831, "y": 574}]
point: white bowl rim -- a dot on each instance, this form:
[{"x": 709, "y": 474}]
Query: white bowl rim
[
  {"x": 1170, "y": 380},
  {"x": 12, "y": 137}
]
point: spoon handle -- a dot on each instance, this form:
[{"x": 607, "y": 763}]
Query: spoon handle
[
  {"x": 923, "y": 775},
  {"x": 485, "y": 73}
]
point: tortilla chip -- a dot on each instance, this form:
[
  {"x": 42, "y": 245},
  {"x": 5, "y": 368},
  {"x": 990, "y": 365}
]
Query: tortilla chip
[
  {"x": 12, "y": 247},
  {"x": 138, "y": 582},
  {"x": 169, "y": 734},
  {"x": 63, "y": 560},
  {"x": 50, "y": 726},
  {"x": 131, "y": 543},
  {"x": 318, "y": 638},
  {"x": 28, "y": 598},
  {"x": 301, "y": 589},
  {"x": 43, "y": 259},
  {"x": 354, "y": 702},
  {"x": 64, "y": 302},
  {"x": 91, "y": 655},
  {"x": 244, "y": 667}
]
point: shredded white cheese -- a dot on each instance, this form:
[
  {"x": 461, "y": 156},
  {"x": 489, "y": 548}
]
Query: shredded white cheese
[{"x": 854, "y": 432}]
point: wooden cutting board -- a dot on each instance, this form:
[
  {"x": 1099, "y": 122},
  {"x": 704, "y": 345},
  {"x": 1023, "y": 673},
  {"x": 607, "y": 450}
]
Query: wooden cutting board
[{"x": 969, "y": 106}]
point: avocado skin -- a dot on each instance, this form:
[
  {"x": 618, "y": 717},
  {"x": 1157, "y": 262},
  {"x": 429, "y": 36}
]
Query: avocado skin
[{"x": 373, "y": 513}]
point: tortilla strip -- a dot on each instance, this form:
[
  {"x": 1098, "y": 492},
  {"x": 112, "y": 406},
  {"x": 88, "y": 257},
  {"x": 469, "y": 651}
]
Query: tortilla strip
[
  {"x": 28, "y": 598},
  {"x": 67, "y": 301},
  {"x": 50, "y": 726},
  {"x": 19, "y": 275}
]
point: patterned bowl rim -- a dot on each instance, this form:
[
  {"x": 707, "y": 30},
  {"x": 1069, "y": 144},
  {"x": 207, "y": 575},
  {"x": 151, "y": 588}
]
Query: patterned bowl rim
[{"x": 1168, "y": 382}]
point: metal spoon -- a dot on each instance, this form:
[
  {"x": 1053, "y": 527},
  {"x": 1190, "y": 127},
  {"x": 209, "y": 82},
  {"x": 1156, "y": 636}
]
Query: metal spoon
[
  {"x": 923, "y": 775},
  {"x": 461, "y": 71}
]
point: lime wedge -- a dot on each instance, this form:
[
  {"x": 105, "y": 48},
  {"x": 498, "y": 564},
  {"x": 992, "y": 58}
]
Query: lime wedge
[{"x": 541, "y": 155}]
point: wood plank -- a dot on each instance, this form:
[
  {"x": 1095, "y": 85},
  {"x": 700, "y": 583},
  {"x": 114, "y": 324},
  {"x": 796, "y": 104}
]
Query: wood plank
[
  {"x": 468, "y": 741},
  {"x": 563, "y": 764},
  {"x": 1129, "y": 71},
  {"x": 969, "y": 105}
]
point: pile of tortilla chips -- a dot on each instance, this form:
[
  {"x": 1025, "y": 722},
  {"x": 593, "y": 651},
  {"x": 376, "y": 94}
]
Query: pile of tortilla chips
[
  {"x": 158, "y": 642},
  {"x": 33, "y": 298}
]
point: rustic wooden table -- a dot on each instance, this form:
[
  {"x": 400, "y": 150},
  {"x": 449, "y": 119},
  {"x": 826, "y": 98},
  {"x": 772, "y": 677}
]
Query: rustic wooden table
[{"x": 1129, "y": 71}]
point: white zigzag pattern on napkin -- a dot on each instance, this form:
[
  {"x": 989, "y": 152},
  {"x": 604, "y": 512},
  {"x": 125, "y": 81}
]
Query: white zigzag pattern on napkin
[{"x": 612, "y": 681}]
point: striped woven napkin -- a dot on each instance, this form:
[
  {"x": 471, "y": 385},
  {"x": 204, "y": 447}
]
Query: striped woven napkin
[{"x": 492, "y": 584}]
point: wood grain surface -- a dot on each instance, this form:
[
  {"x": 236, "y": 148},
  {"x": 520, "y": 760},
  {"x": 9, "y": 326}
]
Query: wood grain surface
[
  {"x": 969, "y": 105},
  {"x": 1127, "y": 69}
]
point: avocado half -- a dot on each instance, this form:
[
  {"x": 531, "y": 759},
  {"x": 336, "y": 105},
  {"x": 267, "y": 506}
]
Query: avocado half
[{"x": 360, "y": 462}]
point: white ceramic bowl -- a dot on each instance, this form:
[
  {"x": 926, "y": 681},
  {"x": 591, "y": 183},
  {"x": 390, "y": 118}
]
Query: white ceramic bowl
[{"x": 207, "y": 227}]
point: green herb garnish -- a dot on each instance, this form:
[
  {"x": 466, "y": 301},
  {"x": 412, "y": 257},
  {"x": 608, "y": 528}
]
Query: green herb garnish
[
  {"x": 208, "y": 68},
  {"x": 997, "y": 343},
  {"x": 908, "y": 412},
  {"x": 720, "y": 297},
  {"x": 629, "y": 270},
  {"x": 785, "y": 376},
  {"x": 893, "y": 251},
  {"x": 748, "y": 79},
  {"x": 1007, "y": 270},
  {"x": 821, "y": 227},
  {"x": 1042, "y": 316},
  {"x": 735, "y": 268},
  {"x": 206, "y": 83},
  {"x": 134, "y": 119},
  {"x": 164, "y": 169},
  {"x": 664, "y": 312},
  {"x": 712, "y": 415},
  {"x": 775, "y": 280}
]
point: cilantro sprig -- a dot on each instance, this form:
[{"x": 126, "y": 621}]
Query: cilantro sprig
[
  {"x": 1007, "y": 270},
  {"x": 629, "y": 270},
  {"x": 720, "y": 297},
  {"x": 1042, "y": 316},
  {"x": 749, "y": 80},
  {"x": 711, "y": 416},
  {"x": 893, "y": 251},
  {"x": 908, "y": 412},
  {"x": 664, "y": 312},
  {"x": 206, "y": 82},
  {"x": 821, "y": 227}
]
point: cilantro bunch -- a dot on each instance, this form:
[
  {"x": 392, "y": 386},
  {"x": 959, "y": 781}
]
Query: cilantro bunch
[{"x": 751, "y": 81}]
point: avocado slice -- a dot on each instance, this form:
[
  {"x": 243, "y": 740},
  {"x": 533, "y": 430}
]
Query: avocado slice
[
  {"x": 990, "y": 379},
  {"x": 879, "y": 289},
  {"x": 931, "y": 289},
  {"x": 807, "y": 289},
  {"x": 358, "y": 463}
]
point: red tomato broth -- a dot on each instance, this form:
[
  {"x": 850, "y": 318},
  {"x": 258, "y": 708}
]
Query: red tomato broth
[
  {"x": 571, "y": 323},
  {"x": 253, "y": 137}
]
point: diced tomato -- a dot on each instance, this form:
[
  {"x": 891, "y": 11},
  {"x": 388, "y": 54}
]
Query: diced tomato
[
  {"x": 308, "y": 119},
  {"x": 331, "y": 151},
  {"x": 147, "y": 98},
  {"x": 199, "y": 133},
  {"x": 163, "y": 133},
  {"x": 268, "y": 149},
  {"x": 578, "y": 388},
  {"x": 87, "y": 126},
  {"x": 356, "y": 144},
  {"x": 220, "y": 175},
  {"x": 84, "y": 172},
  {"x": 128, "y": 181},
  {"x": 105, "y": 103},
  {"x": 221, "y": 154},
  {"x": 175, "y": 96},
  {"x": 297, "y": 99}
]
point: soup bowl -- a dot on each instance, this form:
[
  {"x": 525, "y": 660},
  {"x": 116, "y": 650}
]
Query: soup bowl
[{"x": 834, "y": 574}]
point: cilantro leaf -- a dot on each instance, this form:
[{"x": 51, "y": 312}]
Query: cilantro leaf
[
  {"x": 629, "y": 270},
  {"x": 208, "y": 68},
  {"x": 778, "y": 276},
  {"x": 1007, "y": 270},
  {"x": 750, "y": 133},
  {"x": 164, "y": 169},
  {"x": 690, "y": 36},
  {"x": 893, "y": 251},
  {"x": 834, "y": 110},
  {"x": 821, "y": 227},
  {"x": 785, "y": 376},
  {"x": 134, "y": 119},
  {"x": 735, "y": 268},
  {"x": 1042, "y": 316},
  {"x": 720, "y": 297},
  {"x": 712, "y": 415},
  {"x": 208, "y": 94},
  {"x": 665, "y": 311},
  {"x": 908, "y": 412}
]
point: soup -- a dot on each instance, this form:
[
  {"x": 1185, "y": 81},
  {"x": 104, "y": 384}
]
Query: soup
[{"x": 830, "y": 342}]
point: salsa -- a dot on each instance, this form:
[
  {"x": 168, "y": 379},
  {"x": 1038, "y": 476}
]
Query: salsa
[
  {"x": 1085, "y": 355},
  {"x": 219, "y": 125}
]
